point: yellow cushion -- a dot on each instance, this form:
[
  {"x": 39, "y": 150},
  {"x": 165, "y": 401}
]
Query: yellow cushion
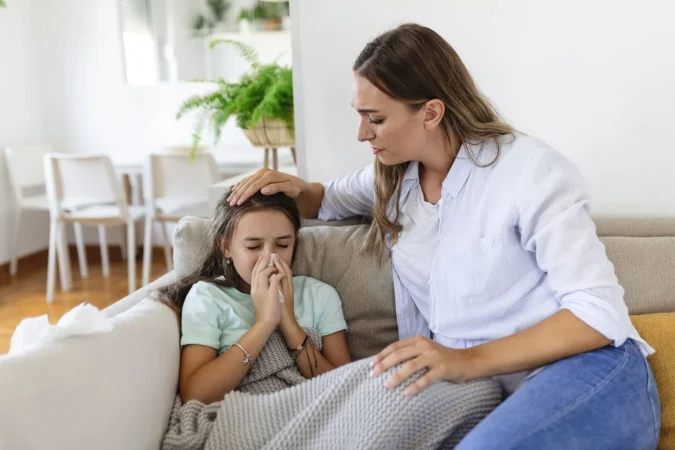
[{"x": 659, "y": 331}]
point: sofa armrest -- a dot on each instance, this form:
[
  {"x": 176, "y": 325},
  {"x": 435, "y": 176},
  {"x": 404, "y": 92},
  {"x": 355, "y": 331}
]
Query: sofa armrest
[
  {"x": 107, "y": 391},
  {"x": 139, "y": 295}
]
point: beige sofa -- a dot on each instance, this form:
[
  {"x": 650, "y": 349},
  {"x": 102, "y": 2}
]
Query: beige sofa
[{"x": 114, "y": 390}]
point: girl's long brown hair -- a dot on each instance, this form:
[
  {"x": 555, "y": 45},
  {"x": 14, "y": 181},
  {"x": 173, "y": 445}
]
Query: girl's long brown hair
[{"x": 413, "y": 64}]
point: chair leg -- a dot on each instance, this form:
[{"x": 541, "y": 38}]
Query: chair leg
[
  {"x": 167, "y": 249},
  {"x": 295, "y": 160},
  {"x": 103, "y": 242},
  {"x": 14, "y": 245},
  {"x": 51, "y": 262},
  {"x": 267, "y": 157},
  {"x": 123, "y": 243},
  {"x": 275, "y": 159},
  {"x": 64, "y": 257},
  {"x": 131, "y": 257},
  {"x": 147, "y": 250},
  {"x": 81, "y": 254}
]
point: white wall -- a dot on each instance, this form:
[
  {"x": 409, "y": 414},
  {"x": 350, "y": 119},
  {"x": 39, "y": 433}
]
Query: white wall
[
  {"x": 89, "y": 105},
  {"x": 62, "y": 79},
  {"x": 20, "y": 119},
  {"x": 594, "y": 79}
]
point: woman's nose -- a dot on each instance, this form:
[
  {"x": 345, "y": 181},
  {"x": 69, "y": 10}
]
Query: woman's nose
[{"x": 364, "y": 133}]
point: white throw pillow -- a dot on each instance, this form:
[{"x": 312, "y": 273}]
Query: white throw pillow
[
  {"x": 104, "y": 391},
  {"x": 190, "y": 244}
]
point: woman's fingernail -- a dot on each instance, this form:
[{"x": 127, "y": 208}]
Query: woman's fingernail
[
  {"x": 372, "y": 374},
  {"x": 265, "y": 190},
  {"x": 372, "y": 363},
  {"x": 388, "y": 384}
]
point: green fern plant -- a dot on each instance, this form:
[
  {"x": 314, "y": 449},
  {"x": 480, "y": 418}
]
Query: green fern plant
[{"x": 266, "y": 92}]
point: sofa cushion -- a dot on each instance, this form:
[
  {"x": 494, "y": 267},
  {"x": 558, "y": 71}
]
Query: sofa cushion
[
  {"x": 330, "y": 254},
  {"x": 634, "y": 227},
  {"x": 109, "y": 390},
  {"x": 333, "y": 255},
  {"x": 659, "y": 331},
  {"x": 190, "y": 245},
  {"x": 645, "y": 268}
]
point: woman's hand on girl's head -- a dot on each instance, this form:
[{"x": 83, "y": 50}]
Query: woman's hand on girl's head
[
  {"x": 264, "y": 292},
  {"x": 286, "y": 283},
  {"x": 418, "y": 353},
  {"x": 268, "y": 182}
]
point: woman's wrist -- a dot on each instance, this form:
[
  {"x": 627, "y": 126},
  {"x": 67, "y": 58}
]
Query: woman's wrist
[{"x": 474, "y": 363}]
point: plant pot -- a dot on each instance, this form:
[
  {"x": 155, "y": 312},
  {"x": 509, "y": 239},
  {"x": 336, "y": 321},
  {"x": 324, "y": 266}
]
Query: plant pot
[
  {"x": 270, "y": 134},
  {"x": 273, "y": 24}
]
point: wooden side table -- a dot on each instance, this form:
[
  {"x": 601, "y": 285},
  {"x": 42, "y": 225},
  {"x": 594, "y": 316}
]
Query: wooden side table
[{"x": 275, "y": 158}]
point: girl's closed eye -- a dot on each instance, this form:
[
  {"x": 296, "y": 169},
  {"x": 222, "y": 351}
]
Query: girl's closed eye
[{"x": 375, "y": 121}]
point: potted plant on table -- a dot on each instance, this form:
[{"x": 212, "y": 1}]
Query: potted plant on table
[{"x": 261, "y": 101}]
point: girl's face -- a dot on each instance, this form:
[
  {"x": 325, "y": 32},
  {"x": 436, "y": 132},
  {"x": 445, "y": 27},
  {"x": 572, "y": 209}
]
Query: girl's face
[{"x": 259, "y": 233}]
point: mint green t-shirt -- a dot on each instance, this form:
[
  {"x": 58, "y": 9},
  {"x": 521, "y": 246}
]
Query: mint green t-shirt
[{"x": 217, "y": 317}]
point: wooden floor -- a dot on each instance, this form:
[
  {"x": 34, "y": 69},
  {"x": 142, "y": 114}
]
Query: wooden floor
[{"x": 25, "y": 295}]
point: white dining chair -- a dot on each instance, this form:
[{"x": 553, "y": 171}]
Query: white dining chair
[
  {"x": 25, "y": 168},
  {"x": 88, "y": 180},
  {"x": 27, "y": 182},
  {"x": 175, "y": 185}
]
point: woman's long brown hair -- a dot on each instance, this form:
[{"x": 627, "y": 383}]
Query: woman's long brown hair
[{"x": 413, "y": 64}]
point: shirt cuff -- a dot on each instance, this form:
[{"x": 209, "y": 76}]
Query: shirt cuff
[
  {"x": 197, "y": 340},
  {"x": 332, "y": 327},
  {"x": 600, "y": 316}
]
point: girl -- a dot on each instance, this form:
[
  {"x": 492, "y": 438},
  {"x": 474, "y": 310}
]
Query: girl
[
  {"x": 231, "y": 305},
  {"x": 497, "y": 266}
]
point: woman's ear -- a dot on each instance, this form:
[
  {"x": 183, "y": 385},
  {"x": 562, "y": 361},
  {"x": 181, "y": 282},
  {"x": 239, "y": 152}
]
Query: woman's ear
[{"x": 434, "y": 110}]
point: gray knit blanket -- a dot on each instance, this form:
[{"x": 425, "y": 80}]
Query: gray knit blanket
[{"x": 275, "y": 407}]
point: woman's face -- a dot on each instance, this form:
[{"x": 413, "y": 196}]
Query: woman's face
[
  {"x": 259, "y": 233},
  {"x": 396, "y": 133}
]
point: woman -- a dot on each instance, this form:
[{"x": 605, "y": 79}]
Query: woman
[{"x": 519, "y": 286}]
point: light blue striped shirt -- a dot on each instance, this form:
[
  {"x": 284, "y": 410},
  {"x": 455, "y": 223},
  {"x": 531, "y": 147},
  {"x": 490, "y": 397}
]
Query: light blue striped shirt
[{"x": 517, "y": 244}]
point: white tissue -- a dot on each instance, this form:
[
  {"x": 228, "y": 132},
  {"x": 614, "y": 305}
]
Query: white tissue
[
  {"x": 280, "y": 296},
  {"x": 83, "y": 319}
]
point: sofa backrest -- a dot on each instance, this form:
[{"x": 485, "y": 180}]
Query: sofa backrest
[
  {"x": 644, "y": 265},
  {"x": 333, "y": 255}
]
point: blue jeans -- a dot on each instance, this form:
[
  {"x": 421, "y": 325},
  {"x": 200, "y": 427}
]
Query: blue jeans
[{"x": 604, "y": 399}]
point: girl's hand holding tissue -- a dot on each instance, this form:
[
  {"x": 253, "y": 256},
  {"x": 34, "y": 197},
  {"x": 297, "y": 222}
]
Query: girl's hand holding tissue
[
  {"x": 265, "y": 283},
  {"x": 288, "y": 323}
]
